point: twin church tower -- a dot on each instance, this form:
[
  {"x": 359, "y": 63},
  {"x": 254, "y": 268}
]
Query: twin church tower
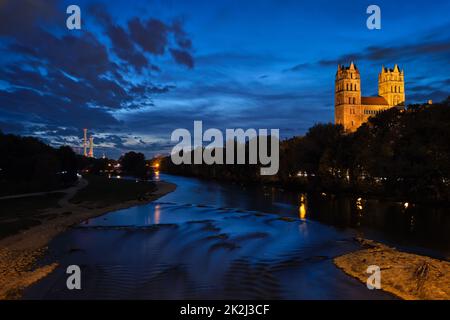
[{"x": 351, "y": 109}]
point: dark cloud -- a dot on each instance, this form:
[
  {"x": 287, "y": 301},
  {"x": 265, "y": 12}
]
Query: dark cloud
[
  {"x": 125, "y": 49},
  {"x": 298, "y": 67},
  {"x": 11, "y": 127},
  {"x": 437, "y": 95},
  {"x": 64, "y": 81},
  {"x": 21, "y": 17},
  {"x": 151, "y": 36},
  {"x": 122, "y": 44},
  {"x": 421, "y": 88},
  {"x": 48, "y": 109},
  {"x": 437, "y": 48},
  {"x": 181, "y": 36},
  {"x": 182, "y": 57}
]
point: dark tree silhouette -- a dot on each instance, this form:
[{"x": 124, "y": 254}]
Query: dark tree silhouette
[{"x": 133, "y": 164}]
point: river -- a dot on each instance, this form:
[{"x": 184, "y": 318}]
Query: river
[{"x": 208, "y": 240}]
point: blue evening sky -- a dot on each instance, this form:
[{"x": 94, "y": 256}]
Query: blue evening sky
[{"x": 137, "y": 70}]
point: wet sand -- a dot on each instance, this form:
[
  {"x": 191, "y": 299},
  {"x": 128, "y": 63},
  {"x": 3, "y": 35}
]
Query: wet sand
[
  {"x": 408, "y": 276},
  {"x": 19, "y": 253}
]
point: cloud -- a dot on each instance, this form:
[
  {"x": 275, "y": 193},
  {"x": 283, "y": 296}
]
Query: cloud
[
  {"x": 182, "y": 57},
  {"x": 437, "y": 95},
  {"x": 151, "y": 35},
  {"x": 60, "y": 79},
  {"x": 11, "y": 127},
  {"x": 20, "y": 17},
  {"x": 122, "y": 44},
  {"x": 405, "y": 52},
  {"x": 298, "y": 67}
]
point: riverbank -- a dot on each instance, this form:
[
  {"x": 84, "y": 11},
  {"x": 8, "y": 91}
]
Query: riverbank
[
  {"x": 19, "y": 252},
  {"x": 408, "y": 276},
  {"x": 316, "y": 188}
]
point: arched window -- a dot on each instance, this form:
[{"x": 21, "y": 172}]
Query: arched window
[{"x": 354, "y": 100}]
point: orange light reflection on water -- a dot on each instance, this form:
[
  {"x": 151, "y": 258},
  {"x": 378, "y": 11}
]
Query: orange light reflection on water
[{"x": 302, "y": 209}]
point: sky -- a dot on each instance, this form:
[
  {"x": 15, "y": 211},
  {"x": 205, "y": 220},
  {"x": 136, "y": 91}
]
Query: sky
[{"x": 137, "y": 70}]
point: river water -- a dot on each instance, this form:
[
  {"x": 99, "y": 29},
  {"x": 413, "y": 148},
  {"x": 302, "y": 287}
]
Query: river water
[{"x": 208, "y": 240}]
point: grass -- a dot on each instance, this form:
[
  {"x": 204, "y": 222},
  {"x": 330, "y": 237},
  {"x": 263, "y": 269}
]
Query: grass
[
  {"x": 105, "y": 191},
  {"x": 20, "y": 214}
]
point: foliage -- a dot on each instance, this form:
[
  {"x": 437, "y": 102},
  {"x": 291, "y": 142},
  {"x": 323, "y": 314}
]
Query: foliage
[
  {"x": 133, "y": 164},
  {"x": 399, "y": 152},
  {"x": 27, "y": 164}
]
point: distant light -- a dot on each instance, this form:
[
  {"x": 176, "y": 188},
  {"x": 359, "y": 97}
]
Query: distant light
[
  {"x": 359, "y": 204},
  {"x": 406, "y": 205}
]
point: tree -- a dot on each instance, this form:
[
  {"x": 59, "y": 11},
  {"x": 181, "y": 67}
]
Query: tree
[{"x": 133, "y": 163}]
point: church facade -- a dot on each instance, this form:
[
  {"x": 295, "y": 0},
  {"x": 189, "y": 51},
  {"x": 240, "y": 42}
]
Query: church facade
[{"x": 351, "y": 109}]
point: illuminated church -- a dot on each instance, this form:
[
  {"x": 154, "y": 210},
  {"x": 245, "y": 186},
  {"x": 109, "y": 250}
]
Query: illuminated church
[{"x": 352, "y": 110}]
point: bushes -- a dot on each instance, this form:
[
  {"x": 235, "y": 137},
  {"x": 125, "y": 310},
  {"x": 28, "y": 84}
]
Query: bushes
[
  {"x": 29, "y": 165},
  {"x": 400, "y": 153}
]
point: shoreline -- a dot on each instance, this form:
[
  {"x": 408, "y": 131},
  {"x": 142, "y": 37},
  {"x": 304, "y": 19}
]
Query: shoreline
[
  {"x": 19, "y": 252},
  {"x": 299, "y": 188},
  {"x": 407, "y": 276}
]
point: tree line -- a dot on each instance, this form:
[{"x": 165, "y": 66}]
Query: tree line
[
  {"x": 401, "y": 153},
  {"x": 29, "y": 165}
]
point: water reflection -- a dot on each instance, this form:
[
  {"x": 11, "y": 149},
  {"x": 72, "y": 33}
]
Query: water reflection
[
  {"x": 208, "y": 240},
  {"x": 421, "y": 228},
  {"x": 303, "y": 207},
  {"x": 157, "y": 213}
]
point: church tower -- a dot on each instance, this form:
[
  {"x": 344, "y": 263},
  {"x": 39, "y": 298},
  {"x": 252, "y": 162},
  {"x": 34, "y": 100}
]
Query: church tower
[
  {"x": 348, "y": 97},
  {"x": 391, "y": 86}
]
